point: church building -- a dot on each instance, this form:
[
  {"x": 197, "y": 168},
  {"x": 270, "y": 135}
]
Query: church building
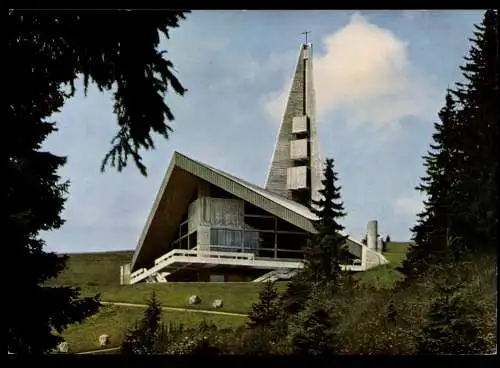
[{"x": 208, "y": 225}]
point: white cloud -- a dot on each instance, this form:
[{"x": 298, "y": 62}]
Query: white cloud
[
  {"x": 252, "y": 70},
  {"x": 409, "y": 205},
  {"x": 366, "y": 74}
]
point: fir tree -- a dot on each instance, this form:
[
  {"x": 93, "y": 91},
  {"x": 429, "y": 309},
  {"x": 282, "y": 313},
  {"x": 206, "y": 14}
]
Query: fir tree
[
  {"x": 322, "y": 255},
  {"x": 313, "y": 327},
  {"x": 295, "y": 295},
  {"x": 152, "y": 314},
  {"x": 35, "y": 199},
  {"x": 145, "y": 336},
  {"x": 267, "y": 308},
  {"x": 435, "y": 222},
  {"x": 461, "y": 182},
  {"x": 314, "y": 330},
  {"x": 132, "y": 341},
  {"x": 47, "y": 52},
  {"x": 478, "y": 98}
]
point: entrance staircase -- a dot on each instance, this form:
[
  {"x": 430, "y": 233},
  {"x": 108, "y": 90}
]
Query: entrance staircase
[{"x": 276, "y": 275}]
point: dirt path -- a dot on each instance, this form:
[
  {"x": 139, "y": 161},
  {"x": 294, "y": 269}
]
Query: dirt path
[
  {"x": 98, "y": 351},
  {"x": 178, "y": 309}
]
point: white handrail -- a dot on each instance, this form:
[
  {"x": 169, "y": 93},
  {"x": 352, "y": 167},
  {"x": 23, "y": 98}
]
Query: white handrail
[
  {"x": 175, "y": 252},
  {"x": 203, "y": 253},
  {"x": 216, "y": 254},
  {"x": 138, "y": 272}
]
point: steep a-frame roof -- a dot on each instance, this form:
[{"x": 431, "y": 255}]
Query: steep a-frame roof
[{"x": 174, "y": 195}]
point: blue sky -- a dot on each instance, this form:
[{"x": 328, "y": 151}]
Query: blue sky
[{"x": 380, "y": 79}]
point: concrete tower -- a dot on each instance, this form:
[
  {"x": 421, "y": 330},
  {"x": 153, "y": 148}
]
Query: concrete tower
[{"x": 296, "y": 169}]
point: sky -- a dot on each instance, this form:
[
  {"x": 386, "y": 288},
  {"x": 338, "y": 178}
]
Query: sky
[{"x": 380, "y": 80}]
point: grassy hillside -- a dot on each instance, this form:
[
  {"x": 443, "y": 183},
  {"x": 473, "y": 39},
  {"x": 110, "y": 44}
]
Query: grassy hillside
[
  {"x": 395, "y": 252},
  {"x": 93, "y": 269},
  {"x": 115, "y": 321},
  {"x": 99, "y": 273},
  {"x": 237, "y": 297},
  {"x": 386, "y": 276}
]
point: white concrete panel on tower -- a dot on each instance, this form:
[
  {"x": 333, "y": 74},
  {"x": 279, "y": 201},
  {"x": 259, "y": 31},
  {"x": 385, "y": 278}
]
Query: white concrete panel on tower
[
  {"x": 296, "y": 177},
  {"x": 298, "y": 149},
  {"x": 299, "y": 124}
]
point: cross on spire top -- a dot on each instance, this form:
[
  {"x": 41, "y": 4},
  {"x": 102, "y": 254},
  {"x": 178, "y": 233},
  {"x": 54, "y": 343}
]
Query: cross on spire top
[{"x": 306, "y": 33}]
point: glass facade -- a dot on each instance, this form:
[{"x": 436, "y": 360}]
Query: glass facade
[
  {"x": 263, "y": 234},
  {"x": 185, "y": 240},
  {"x": 260, "y": 222},
  {"x": 192, "y": 240},
  {"x": 226, "y": 240}
]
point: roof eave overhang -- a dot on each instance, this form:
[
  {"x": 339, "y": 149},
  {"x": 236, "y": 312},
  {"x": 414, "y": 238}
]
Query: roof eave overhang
[
  {"x": 241, "y": 191},
  {"x": 154, "y": 208}
]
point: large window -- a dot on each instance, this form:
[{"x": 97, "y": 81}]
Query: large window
[
  {"x": 263, "y": 234},
  {"x": 290, "y": 254},
  {"x": 288, "y": 227},
  {"x": 226, "y": 240},
  {"x": 225, "y": 237},
  {"x": 192, "y": 240},
  {"x": 266, "y": 253},
  {"x": 251, "y": 240},
  {"x": 288, "y": 241},
  {"x": 258, "y": 239},
  {"x": 238, "y": 240},
  {"x": 266, "y": 244},
  {"x": 184, "y": 240},
  {"x": 183, "y": 229},
  {"x": 259, "y": 222}
]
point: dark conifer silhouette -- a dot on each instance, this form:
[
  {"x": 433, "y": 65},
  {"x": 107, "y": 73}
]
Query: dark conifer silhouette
[{"x": 47, "y": 52}]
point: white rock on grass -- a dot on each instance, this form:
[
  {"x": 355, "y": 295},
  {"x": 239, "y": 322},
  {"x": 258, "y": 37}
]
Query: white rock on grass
[
  {"x": 104, "y": 340},
  {"x": 63, "y": 347},
  {"x": 194, "y": 299},
  {"x": 217, "y": 303}
]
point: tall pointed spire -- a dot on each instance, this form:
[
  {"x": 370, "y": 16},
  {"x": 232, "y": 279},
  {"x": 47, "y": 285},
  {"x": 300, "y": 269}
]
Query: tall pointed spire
[{"x": 295, "y": 171}]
